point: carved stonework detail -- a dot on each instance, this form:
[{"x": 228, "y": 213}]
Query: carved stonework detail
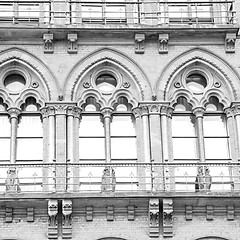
[
  {"x": 167, "y": 217},
  {"x": 154, "y": 109},
  {"x": 74, "y": 111},
  {"x": 166, "y": 111},
  {"x": 209, "y": 212},
  {"x": 30, "y": 214},
  {"x": 72, "y": 43},
  {"x": 131, "y": 213},
  {"x": 107, "y": 112},
  {"x": 137, "y": 112},
  {"x": 110, "y": 213},
  {"x": 230, "y": 213},
  {"x": 154, "y": 217},
  {"x": 139, "y": 43},
  {"x": 53, "y": 223},
  {"x": 89, "y": 213},
  {"x": 108, "y": 180},
  {"x": 12, "y": 182},
  {"x": 8, "y": 215},
  {"x": 230, "y": 41},
  {"x": 203, "y": 180},
  {"x": 189, "y": 213},
  {"x": 67, "y": 221},
  {"x": 61, "y": 109},
  {"x": 48, "y": 42},
  {"x": 198, "y": 112},
  {"x": 14, "y": 112},
  {"x": 163, "y": 43},
  {"x": 144, "y": 110}
]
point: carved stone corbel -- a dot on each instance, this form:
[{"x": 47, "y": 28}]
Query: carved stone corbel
[
  {"x": 167, "y": 217},
  {"x": 67, "y": 222},
  {"x": 30, "y": 214},
  {"x": 189, "y": 213},
  {"x": 230, "y": 213},
  {"x": 48, "y": 42},
  {"x": 53, "y": 223},
  {"x": 110, "y": 213},
  {"x": 8, "y": 215},
  {"x": 89, "y": 213},
  {"x": 139, "y": 42},
  {"x": 163, "y": 43},
  {"x": 154, "y": 217},
  {"x": 72, "y": 43},
  {"x": 209, "y": 213},
  {"x": 131, "y": 213},
  {"x": 230, "y": 41}
]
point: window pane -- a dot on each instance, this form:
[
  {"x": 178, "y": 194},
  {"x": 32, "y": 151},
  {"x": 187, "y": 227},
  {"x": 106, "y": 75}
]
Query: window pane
[
  {"x": 91, "y": 148},
  {"x": 30, "y": 126},
  {"x": 91, "y": 126},
  {"x": 183, "y": 126},
  {"x": 5, "y": 149},
  {"x": 214, "y": 126},
  {"x": 123, "y": 148},
  {"x": 185, "y": 148},
  {"x": 5, "y": 126},
  {"x": 216, "y": 148},
  {"x": 29, "y": 149},
  {"x": 122, "y": 126}
]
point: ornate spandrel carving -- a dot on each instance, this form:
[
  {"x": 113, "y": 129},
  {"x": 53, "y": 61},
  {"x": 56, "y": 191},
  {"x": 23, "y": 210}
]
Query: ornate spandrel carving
[
  {"x": 230, "y": 42},
  {"x": 66, "y": 223},
  {"x": 167, "y": 217},
  {"x": 139, "y": 43},
  {"x": 163, "y": 43},
  {"x": 154, "y": 217},
  {"x": 12, "y": 182},
  {"x": 108, "y": 180},
  {"x": 72, "y": 43},
  {"x": 48, "y": 42},
  {"x": 53, "y": 223}
]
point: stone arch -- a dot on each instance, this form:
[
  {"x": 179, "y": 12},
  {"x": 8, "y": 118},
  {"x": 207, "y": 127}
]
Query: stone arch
[
  {"x": 32, "y": 63},
  {"x": 132, "y": 69},
  {"x": 212, "y": 238},
  {"x": 203, "y": 56}
]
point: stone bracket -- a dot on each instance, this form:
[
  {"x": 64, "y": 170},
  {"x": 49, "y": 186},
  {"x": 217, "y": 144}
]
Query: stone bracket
[
  {"x": 89, "y": 213},
  {"x": 154, "y": 217},
  {"x": 163, "y": 43},
  {"x": 230, "y": 41},
  {"x": 189, "y": 213},
  {"x": 139, "y": 42},
  {"x": 72, "y": 43},
  {"x": 48, "y": 42},
  {"x": 30, "y": 214},
  {"x": 167, "y": 217},
  {"x": 110, "y": 213},
  {"x": 67, "y": 219},
  {"x": 230, "y": 213},
  {"x": 53, "y": 223},
  {"x": 8, "y": 215},
  {"x": 209, "y": 213},
  {"x": 131, "y": 213}
]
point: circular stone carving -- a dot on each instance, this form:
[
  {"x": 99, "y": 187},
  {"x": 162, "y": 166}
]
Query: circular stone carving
[
  {"x": 217, "y": 84},
  {"x": 35, "y": 84},
  {"x": 177, "y": 84},
  {"x": 14, "y": 82}
]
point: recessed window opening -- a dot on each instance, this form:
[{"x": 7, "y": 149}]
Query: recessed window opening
[
  {"x": 14, "y": 82},
  {"x": 182, "y": 105},
  {"x": 30, "y": 105},
  {"x": 91, "y": 105},
  {"x": 196, "y": 83},
  {"x": 122, "y": 105},
  {"x": 214, "y": 105},
  {"x": 106, "y": 82}
]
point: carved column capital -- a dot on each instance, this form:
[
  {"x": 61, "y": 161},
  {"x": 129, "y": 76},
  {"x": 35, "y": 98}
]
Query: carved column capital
[
  {"x": 230, "y": 112},
  {"x": 61, "y": 109},
  {"x": 136, "y": 112},
  {"x": 144, "y": 110},
  {"x": 166, "y": 111},
  {"x": 74, "y": 111},
  {"x": 236, "y": 109},
  {"x": 14, "y": 112},
  {"x": 154, "y": 109},
  {"x": 198, "y": 112},
  {"x": 107, "y": 112}
]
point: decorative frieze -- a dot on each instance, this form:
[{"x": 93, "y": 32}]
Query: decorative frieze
[
  {"x": 89, "y": 213},
  {"x": 131, "y": 213},
  {"x": 209, "y": 213},
  {"x": 12, "y": 182},
  {"x": 189, "y": 213},
  {"x": 154, "y": 217},
  {"x": 110, "y": 213},
  {"x": 139, "y": 42},
  {"x": 53, "y": 223},
  {"x": 30, "y": 214},
  {"x": 230, "y": 41},
  {"x": 108, "y": 180},
  {"x": 230, "y": 213},
  {"x": 48, "y": 42},
  {"x": 167, "y": 217},
  {"x": 66, "y": 223},
  {"x": 163, "y": 43},
  {"x": 8, "y": 215},
  {"x": 72, "y": 43}
]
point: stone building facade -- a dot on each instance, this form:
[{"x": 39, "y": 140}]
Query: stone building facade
[{"x": 119, "y": 120}]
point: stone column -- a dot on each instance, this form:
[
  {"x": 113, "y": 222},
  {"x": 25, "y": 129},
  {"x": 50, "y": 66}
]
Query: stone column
[
  {"x": 13, "y": 115},
  {"x": 236, "y": 109}
]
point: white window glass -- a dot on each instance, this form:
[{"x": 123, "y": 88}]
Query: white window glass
[
  {"x": 183, "y": 126},
  {"x": 122, "y": 126},
  {"x": 216, "y": 148},
  {"x": 29, "y": 139},
  {"x": 4, "y": 138},
  {"x": 91, "y": 138},
  {"x": 214, "y": 126}
]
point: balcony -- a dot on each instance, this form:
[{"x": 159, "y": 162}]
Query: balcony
[
  {"x": 116, "y": 178},
  {"x": 117, "y": 13}
]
